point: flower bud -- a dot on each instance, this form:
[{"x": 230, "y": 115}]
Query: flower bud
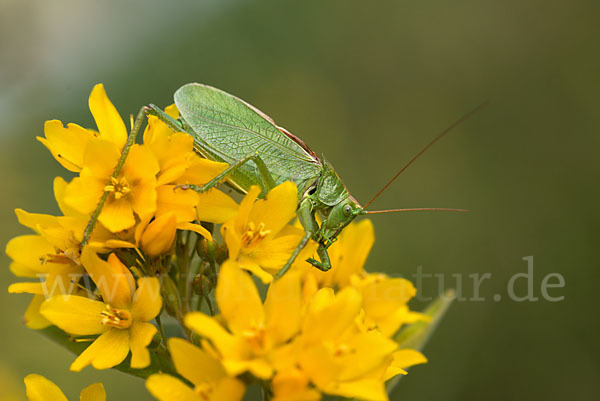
[
  {"x": 159, "y": 235},
  {"x": 170, "y": 295}
]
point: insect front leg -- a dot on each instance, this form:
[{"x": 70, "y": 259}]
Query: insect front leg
[
  {"x": 325, "y": 263},
  {"x": 307, "y": 219},
  {"x": 130, "y": 141},
  {"x": 265, "y": 175}
]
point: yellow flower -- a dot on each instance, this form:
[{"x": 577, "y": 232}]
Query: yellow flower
[
  {"x": 39, "y": 388},
  {"x": 293, "y": 385},
  {"x": 385, "y": 299},
  {"x": 251, "y": 332},
  {"x": 95, "y": 156},
  {"x": 211, "y": 382},
  {"x": 132, "y": 193},
  {"x": 385, "y": 302},
  {"x": 337, "y": 354},
  {"x": 53, "y": 254},
  {"x": 68, "y": 144},
  {"x": 121, "y": 319},
  {"x": 259, "y": 237}
]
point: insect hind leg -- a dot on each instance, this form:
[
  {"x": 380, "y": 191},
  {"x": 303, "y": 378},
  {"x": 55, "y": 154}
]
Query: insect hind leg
[
  {"x": 268, "y": 182},
  {"x": 173, "y": 124}
]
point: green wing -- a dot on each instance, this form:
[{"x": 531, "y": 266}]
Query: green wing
[{"x": 225, "y": 128}]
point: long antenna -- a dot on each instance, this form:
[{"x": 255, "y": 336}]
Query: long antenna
[
  {"x": 418, "y": 209},
  {"x": 437, "y": 138}
]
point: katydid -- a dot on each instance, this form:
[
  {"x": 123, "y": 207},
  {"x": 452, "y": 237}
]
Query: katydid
[{"x": 259, "y": 152}]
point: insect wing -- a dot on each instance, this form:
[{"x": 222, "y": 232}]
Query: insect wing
[{"x": 230, "y": 129}]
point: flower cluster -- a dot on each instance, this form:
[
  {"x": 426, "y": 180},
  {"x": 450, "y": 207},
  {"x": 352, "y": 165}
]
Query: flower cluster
[{"x": 157, "y": 280}]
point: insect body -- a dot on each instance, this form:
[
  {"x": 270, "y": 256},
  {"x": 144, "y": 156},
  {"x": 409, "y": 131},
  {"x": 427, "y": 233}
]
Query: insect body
[{"x": 227, "y": 129}]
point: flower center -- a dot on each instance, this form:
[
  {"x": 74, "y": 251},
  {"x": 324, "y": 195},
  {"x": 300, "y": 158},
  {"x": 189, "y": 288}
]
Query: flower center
[
  {"x": 119, "y": 318},
  {"x": 68, "y": 256},
  {"x": 119, "y": 187},
  {"x": 204, "y": 390},
  {"x": 254, "y": 235},
  {"x": 256, "y": 339},
  {"x": 340, "y": 350}
]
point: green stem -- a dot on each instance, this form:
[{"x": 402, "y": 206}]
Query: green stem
[
  {"x": 130, "y": 141},
  {"x": 161, "y": 330},
  {"x": 183, "y": 262}
]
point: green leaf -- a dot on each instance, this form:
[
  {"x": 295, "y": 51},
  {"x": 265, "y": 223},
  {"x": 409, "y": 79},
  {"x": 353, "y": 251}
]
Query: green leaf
[{"x": 416, "y": 335}]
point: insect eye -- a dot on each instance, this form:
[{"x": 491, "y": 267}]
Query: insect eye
[{"x": 347, "y": 210}]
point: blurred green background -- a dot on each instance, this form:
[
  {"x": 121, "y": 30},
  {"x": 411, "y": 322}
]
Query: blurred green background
[{"x": 367, "y": 84}]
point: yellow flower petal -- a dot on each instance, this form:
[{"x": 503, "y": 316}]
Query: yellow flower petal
[
  {"x": 283, "y": 307},
  {"x": 259, "y": 367},
  {"x": 402, "y": 360},
  {"x": 74, "y": 314},
  {"x": 367, "y": 390},
  {"x": 370, "y": 351},
  {"x": 29, "y": 288},
  {"x": 277, "y": 209},
  {"x": 35, "y": 220},
  {"x": 83, "y": 194},
  {"x": 229, "y": 389},
  {"x": 109, "y": 122},
  {"x": 100, "y": 159},
  {"x": 215, "y": 206},
  {"x": 167, "y": 388},
  {"x": 210, "y": 328},
  {"x": 62, "y": 281},
  {"x": 318, "y": 363},
  {"x": 238, "y": 299},
  {"x": 66, "y": 233},
  {"x": 249, "y": 263},
  {"x": 292, "y": 385},
  {"x": 178, "y": 201},
  {"x": 33, "y": 318},
  {"x": 93, "y": 392},
  {"x": 140, "y": 336},
  {"x": 117, "y": 215},
  {"x": 194, "y": 363},
  {"x": 232, "y": 237},
  {"x": 113, "y": 279},
  {"x": 111, "y": 244},
  {"x": 349, "y": 253},
  {"x": 274, "y": 253},
  {"x": 108, "y": 350},
  {"x": 60, "y": 187},
  {"x": 20, "y": 270},
  {"x": 201, "y": 171},
  {"x": 156, "y": 128},
  {"x": 39, "y": 388},
  {"x": 67, "y": 144},
  {"x": 241, "y": 219},
  {"x": 383, "y": 297},
  {"x": 27, "y": 251},
  {"x": 328, "y": 320},
  {"x": 197, "y": 228},
  {"x": 147, "y": 300},
  {"x": 158, "y": 237},
  {"x": 172, "y": 151}
]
